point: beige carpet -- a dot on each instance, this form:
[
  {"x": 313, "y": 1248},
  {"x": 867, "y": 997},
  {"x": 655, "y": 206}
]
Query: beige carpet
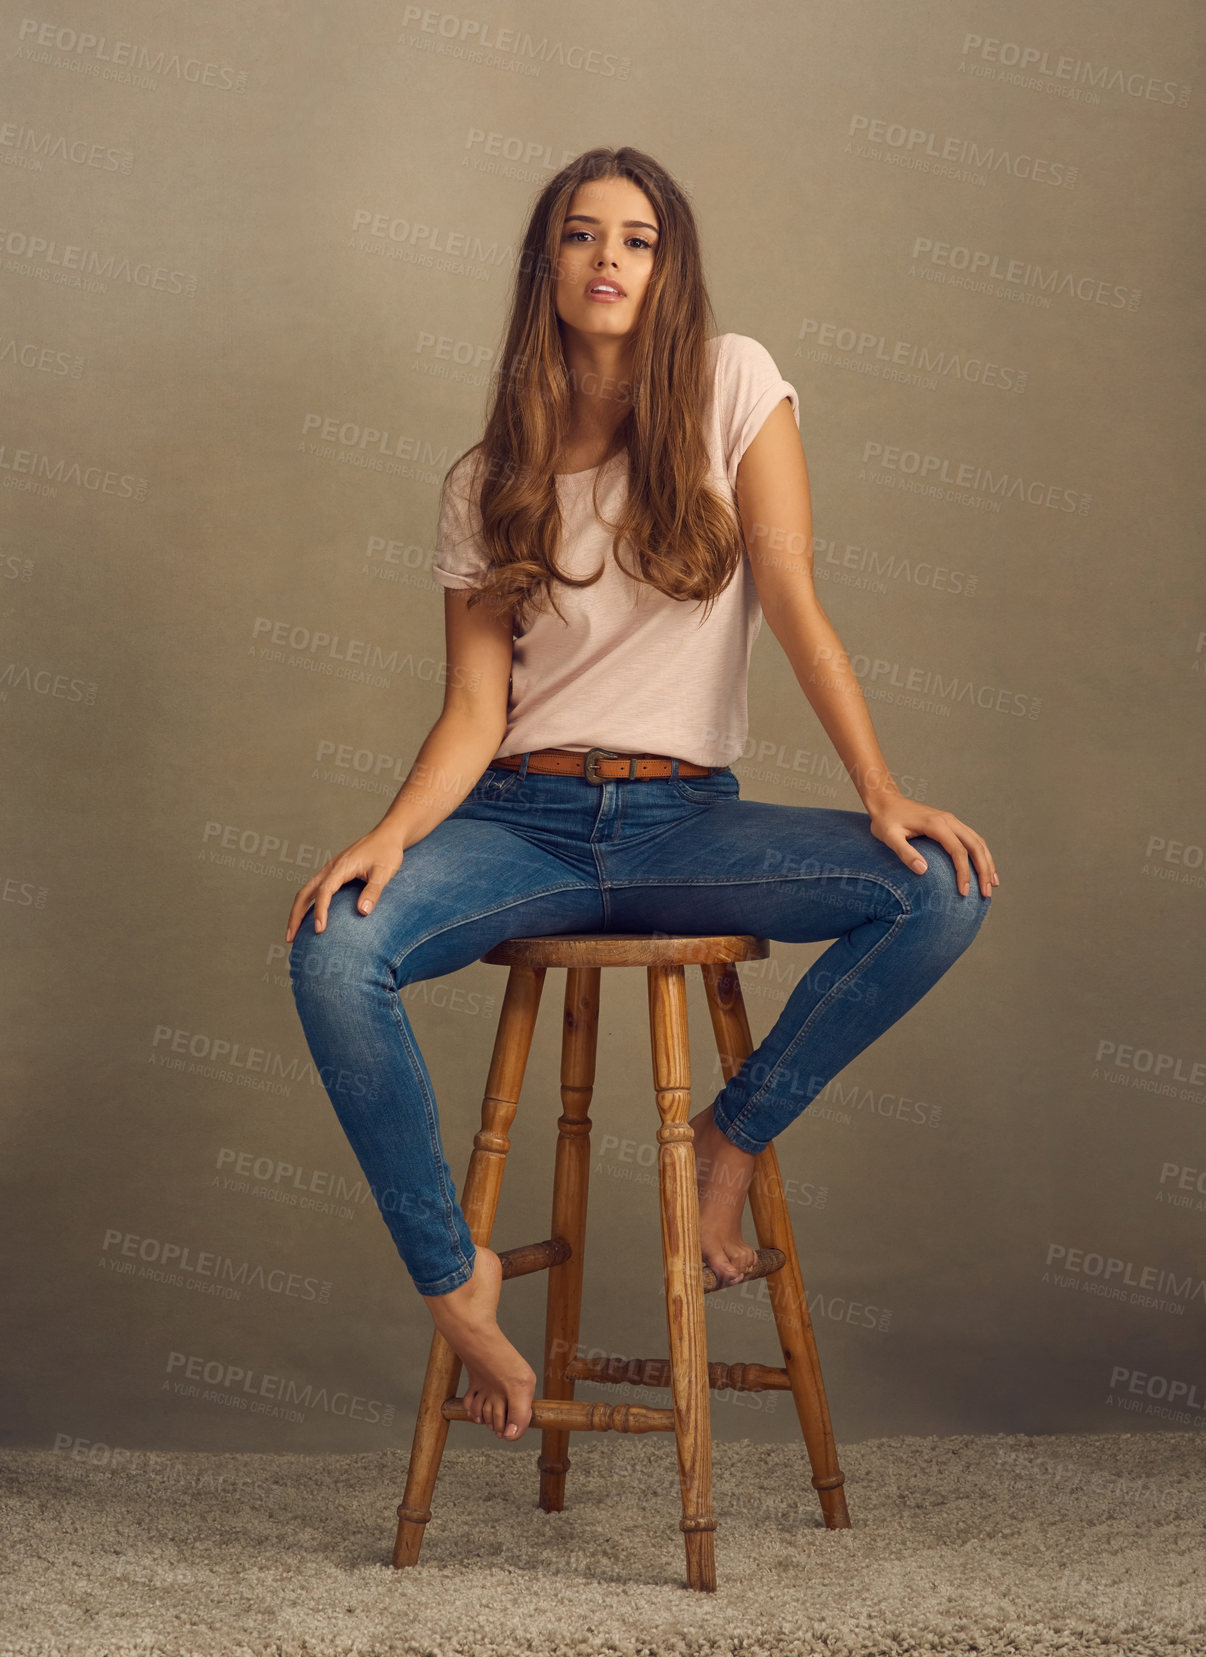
[{"x": 989, "y": 1545}]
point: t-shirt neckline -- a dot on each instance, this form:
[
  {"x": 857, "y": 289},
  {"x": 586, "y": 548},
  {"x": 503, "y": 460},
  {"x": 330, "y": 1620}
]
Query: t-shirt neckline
[{"x": 589, "y": 471}]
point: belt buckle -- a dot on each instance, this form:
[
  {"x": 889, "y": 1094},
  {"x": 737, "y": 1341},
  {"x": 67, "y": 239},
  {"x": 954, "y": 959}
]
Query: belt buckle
[{"x": 593, "y": 755}]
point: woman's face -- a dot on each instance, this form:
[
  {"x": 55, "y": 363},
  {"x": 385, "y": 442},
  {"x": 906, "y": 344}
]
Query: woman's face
[{"x": 610, "y": 238}]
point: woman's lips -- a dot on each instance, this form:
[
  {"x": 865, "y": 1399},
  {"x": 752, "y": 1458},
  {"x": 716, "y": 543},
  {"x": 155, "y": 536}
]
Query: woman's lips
[{"x": 605, "y": 297}]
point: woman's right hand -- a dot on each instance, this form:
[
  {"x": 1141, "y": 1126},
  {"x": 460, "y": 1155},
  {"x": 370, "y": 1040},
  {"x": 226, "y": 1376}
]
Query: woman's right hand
[{"x": 376, "y": 858}]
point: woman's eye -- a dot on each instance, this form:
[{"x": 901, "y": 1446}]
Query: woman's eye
[{"x": 641, "y": 241}]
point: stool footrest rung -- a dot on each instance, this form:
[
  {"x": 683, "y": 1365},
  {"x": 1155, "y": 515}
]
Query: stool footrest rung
[
  {"x": 655, "y": 1372},
  {"x": 768, "y": 1261},
  {"x": 579, "y": 1415},
  {"x": 534, "y": 1257}
]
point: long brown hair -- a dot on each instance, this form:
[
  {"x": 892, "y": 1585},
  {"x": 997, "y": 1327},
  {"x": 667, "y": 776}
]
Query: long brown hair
[{"x": 686, "y": 537}]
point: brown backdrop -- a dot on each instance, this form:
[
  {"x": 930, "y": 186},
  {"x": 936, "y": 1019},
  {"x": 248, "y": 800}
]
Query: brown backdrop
[{"x": 255, "y": 262}]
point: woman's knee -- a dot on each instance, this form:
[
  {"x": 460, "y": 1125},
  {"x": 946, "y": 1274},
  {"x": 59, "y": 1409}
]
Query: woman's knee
[
  {"x": 349, "y": 951},
  {"x": 935, "y": 893}
]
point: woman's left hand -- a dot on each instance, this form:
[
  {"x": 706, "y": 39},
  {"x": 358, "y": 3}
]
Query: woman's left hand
[{"x": 894, "y": 819}]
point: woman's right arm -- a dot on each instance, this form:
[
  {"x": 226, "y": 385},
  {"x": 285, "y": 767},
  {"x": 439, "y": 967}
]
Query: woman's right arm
[{"x": 457, "y": 749}]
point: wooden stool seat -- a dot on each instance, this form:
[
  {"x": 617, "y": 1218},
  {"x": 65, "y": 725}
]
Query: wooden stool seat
[
  {"x": 623, "y": 949},
  {"x": 686, "y": 1372}
]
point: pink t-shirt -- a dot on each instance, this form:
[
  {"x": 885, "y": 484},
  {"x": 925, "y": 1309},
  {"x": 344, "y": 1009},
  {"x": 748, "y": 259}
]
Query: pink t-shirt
[{"x": 631, "y": 668}]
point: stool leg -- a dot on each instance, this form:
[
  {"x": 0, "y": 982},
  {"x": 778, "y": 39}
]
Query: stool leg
[
  {"x": 772, "y": 1223},
  {"x": 479, "y": 1200},
  {"x": 571, "y": 1182},
  {"x": 683, "y": 1264}
]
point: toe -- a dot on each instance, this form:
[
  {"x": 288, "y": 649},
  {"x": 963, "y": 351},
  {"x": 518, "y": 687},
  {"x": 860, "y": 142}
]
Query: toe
[
  {"x": 736, "y": 1262},
  {"x": 519, "y": 1409},
  {"x": 722, "y": 1266}
]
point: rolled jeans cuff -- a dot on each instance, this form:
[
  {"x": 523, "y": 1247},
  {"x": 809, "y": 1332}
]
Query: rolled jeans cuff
[
  {"x": 446, "y": 1285},
  {"x": 734, "y": 1135}
]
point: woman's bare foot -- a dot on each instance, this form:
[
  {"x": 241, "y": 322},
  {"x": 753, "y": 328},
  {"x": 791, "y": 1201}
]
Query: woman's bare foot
[
  {"x": 723, "y": 1173},
  {"x": 500, "y": 1385}
]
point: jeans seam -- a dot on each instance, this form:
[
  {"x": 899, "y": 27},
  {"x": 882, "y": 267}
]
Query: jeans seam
[
  {"x": 432, "y": 1130},
  {"x": 498, "y": 788},
  {"x": 822, "y": 1004},
  {"x": 693, "y": 798},
  {"x": 760, "y": 880},
  {"x": 604, "y": 884},
  {"x": 490, "y": 909}
]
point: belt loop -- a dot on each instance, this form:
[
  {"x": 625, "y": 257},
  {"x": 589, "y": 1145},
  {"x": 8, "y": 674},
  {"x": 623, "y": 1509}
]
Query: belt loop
[
  {"x": 523, "y": 765},
  {"x": 674, "y": 768}
]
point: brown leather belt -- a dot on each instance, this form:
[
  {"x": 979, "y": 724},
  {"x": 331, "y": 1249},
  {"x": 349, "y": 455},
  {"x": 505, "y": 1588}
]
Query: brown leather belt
[{"x": 599, "y": 765}]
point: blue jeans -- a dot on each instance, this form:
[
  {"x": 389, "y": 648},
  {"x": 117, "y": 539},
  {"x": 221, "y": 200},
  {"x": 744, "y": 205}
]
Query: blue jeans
[{"x": 525, "y": 854}]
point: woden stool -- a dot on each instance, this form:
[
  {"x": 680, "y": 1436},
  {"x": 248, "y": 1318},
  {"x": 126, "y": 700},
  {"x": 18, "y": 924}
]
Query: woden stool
[{"x": 687, "y": 1372}]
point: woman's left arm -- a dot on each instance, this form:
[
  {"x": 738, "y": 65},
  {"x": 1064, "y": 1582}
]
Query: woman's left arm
[{"x": 775, "y": 507}]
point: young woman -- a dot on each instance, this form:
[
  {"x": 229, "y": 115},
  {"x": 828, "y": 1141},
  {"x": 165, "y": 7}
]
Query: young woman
[{"x": 638, "y": 502}]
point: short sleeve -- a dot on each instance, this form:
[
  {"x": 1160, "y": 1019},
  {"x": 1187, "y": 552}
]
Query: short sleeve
[
  {"x": 460, "y": 558},
  {"x": 749, "y": 386}
]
